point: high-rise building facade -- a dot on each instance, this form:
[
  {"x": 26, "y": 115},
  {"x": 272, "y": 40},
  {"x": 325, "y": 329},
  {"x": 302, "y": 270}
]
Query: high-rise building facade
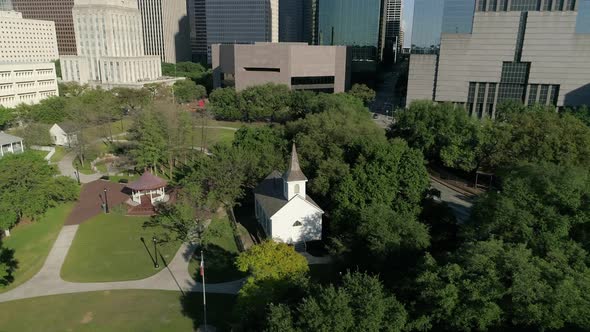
[
  {"x": 110, "y": 45},
  {"x": 27, "y": 49},
  {"x": 352, "y": 23},
  {"x": 232, "y": 21},
  {"x": 291, "y": 20},
  {"x": 392, "y": 35},
  {"x": 6, "y": 5},
  {"x": 58, "y": 11},
  {"x": 166, "y": 29},
  {"x": 532, "y": 51}
]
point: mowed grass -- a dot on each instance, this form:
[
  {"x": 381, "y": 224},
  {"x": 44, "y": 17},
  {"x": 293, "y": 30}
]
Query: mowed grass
[
  {"x": 40, "y": 153},
  {"x": 220, "y": 254},
  {"x": 108, "y": 248},
  {"x": 60, "y": 152},
  {"x": 32, "y": 242},
  {"x": 211, "y": 136},
  {"x": 125, "y": 310}
]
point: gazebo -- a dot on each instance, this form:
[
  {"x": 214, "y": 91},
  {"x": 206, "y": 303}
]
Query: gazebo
[{"x": 150, "y": 186}]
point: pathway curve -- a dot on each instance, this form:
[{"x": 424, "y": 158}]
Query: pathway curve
[
  {"x": 459, "y": 203},
  {"x": 174, "y": 277},
  {"x": 66, "y": 168}
]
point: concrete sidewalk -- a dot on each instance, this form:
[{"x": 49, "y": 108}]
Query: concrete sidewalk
[
  {"x": 66, "y": 168},
  {"x": 174, "y": 277}
]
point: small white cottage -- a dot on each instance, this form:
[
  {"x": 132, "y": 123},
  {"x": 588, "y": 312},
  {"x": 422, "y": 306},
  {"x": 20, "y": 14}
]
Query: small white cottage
[
  {"x": 63, "y": 134},
  {"x": 283, "y": 208}
]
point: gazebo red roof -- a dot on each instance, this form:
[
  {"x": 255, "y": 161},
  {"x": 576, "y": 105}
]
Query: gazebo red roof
[{"x": 147, "y": 181}]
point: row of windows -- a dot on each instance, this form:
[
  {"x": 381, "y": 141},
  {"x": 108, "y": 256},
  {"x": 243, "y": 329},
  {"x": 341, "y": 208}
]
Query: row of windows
[
  {"x": 312, "y": 80},
  {"x": 526, "y": 5}
]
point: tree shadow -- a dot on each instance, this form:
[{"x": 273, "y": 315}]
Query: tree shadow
[
  {"x": 8, "y": 264},
  {"x": 244, "y": 213},
  {"x": 219, "y": 310},
  {"x": 219, "y": 265}
]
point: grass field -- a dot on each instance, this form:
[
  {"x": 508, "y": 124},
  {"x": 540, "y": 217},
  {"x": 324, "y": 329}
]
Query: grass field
[
  {"x": 31, "y": 243},
  {"x": 40, "y": 153},
  {"x": 220, "y": 254},
  {"x": 212, "y": 136},
  {"x": 126, "y": 310},
  {"x": 108, "y": 248}
]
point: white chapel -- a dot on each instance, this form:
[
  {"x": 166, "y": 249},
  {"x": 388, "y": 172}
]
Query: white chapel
[{"x": 283, "y": 207}]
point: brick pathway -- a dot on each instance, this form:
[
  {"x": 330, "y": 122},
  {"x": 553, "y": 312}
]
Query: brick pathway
[{"x": 91, "y": 198}]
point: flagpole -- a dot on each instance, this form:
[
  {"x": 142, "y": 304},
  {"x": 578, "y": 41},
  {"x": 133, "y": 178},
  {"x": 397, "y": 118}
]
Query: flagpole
[{"x": 204, "y": 297}]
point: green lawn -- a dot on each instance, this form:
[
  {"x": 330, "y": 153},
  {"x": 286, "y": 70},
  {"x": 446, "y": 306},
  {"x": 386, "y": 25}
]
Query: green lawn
[
  {"x": 220, "y": 254},
  {"x": 125, "y": 310},
  {"x": 31, "y": 243},
  {"x": 40, "y": 153},
  {"x": 83, "y": 169},
  {"x": 60, "y": 152},
  {"x": 233, "y": 124},
  {"x": 108, "y": 248},
  {"x": 212, "y": 136}
]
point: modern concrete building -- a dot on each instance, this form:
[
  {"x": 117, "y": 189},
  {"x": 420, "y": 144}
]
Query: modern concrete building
[
  {"x": 110, "y": 46},
  {"x": 297, "y": 65},
  {"x": 232, "y": 21},
  {"x": 27, "y": 49},
  {"x": 166, "y": 29},
  {"x": 533, "y": 51},
  {"x": 58, "y": 11}
]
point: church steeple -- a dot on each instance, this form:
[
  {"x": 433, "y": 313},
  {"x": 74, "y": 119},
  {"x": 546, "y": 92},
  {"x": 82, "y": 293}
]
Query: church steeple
[
  {"x": 294, "y": 172},
  {"x": 294, "y": 180}
]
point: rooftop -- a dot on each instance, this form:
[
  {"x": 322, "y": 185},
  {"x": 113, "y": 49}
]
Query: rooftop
[
  {"x": 8, "y": 139},
  {"x": 294, "y": 172},
  {"x": 147, "y": 181},
  {"x": 269, "y": 194}
]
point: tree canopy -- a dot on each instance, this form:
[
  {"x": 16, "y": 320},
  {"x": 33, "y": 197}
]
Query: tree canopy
[
  {"x": 363, "y": 92},
  {"x": 28, "y": 187}
]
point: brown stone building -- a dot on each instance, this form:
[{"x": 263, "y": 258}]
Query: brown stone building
[
  {"x": 297, "y": 65},
  {"x": 58, "y": 11}
]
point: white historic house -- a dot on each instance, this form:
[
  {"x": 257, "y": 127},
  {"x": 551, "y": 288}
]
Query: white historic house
[{"x": 283, "y": 208}]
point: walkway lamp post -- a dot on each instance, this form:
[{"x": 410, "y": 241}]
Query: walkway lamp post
[
  {"x": 156, "y": 265},
  {"x": 78, "y": 174},
  {"x": 106, "y": 201}
]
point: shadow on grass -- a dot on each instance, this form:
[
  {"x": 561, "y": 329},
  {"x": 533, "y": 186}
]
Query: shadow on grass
[
  {"x": 244, "y": 213},
  {"x": 7, "y": 266},
  {"x": 219, "y": 265},
  {"x": 219, "y": 310}
]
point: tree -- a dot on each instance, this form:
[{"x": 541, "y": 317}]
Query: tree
[
  {"x": 360, "y": 304},
  {"x": 224, "y": 105},
  {"x": 186, "y": 91},
  {"x": 194, "y": 71},
  {"x": 147, "y": 131},
  {"x": 277, "y": 273},
  {"x": 266, "y": 102},
  {"x": 266, "y": 148},
  {"x": 363, "y": 92},
  {"x": 48, "y": 111},
  {"x": 6, "y": 117},
  {"x": 29, "y": 186},
  {"x": 35, "y": 134}
]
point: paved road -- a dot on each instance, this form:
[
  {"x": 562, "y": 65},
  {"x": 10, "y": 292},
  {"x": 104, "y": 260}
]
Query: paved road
[
  {"x": 459, "y": 203},
  {"x": 48, "y": 280}
]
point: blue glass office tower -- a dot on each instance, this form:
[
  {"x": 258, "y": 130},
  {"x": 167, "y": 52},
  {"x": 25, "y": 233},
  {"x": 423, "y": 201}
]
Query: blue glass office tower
[
  {"x": 352, "y": 23},
  {"x": 434, "y": 17}
]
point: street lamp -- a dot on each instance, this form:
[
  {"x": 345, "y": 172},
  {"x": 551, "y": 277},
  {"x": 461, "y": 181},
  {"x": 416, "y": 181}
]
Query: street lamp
[
  {"x": 106, "y": 201},
  {"x": 78, "y": 174},
  {"x": 156, "y": 265}
]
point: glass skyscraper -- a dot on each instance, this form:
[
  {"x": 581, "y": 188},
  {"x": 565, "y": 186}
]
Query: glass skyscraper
[
  {"x": 351, "y": 23},
  {"x": 434, "y": 17}
]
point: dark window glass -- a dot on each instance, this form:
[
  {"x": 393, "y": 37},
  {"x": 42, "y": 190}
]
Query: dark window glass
[
  {"x": 471, "y": 94},
  {"x": 481, "y": 92},
  {"x": 312, "y": 80},
  {"x": 493, "y": 4},
  {"x": 534, "y": 88},
  {"x": 543, "y": 95},
  {"x": 491, "y": 92},
  {"x": 481, "y": 5},
  {"x": 520, "y": 36},
  {"x": 277, "y": 70},
  {"x": 458, "y": 16},
  {"x": 524, "y": 5},
  {"x": 548, "y": 4},
  {"x": 515, "y": 72},
  {"x": 554, "y": 94}
]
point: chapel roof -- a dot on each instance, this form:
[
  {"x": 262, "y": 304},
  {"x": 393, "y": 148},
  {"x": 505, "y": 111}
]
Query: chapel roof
[{"x": 270, "y": 195}]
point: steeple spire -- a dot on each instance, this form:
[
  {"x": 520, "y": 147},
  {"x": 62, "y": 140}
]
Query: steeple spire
[{"x": 294, "y": 172}]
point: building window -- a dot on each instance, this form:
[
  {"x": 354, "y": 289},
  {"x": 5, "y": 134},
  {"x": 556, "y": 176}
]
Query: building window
[
  {"x": 533, "y": 89},
  {"x": 297, "y": 189},
  {"x": 311, "y": 80},
  {"x": 297, "y": 224},
  {"x": 275, "y": 70}
]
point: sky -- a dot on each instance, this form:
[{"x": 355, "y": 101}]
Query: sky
[{"x": 407, "y": 21}]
